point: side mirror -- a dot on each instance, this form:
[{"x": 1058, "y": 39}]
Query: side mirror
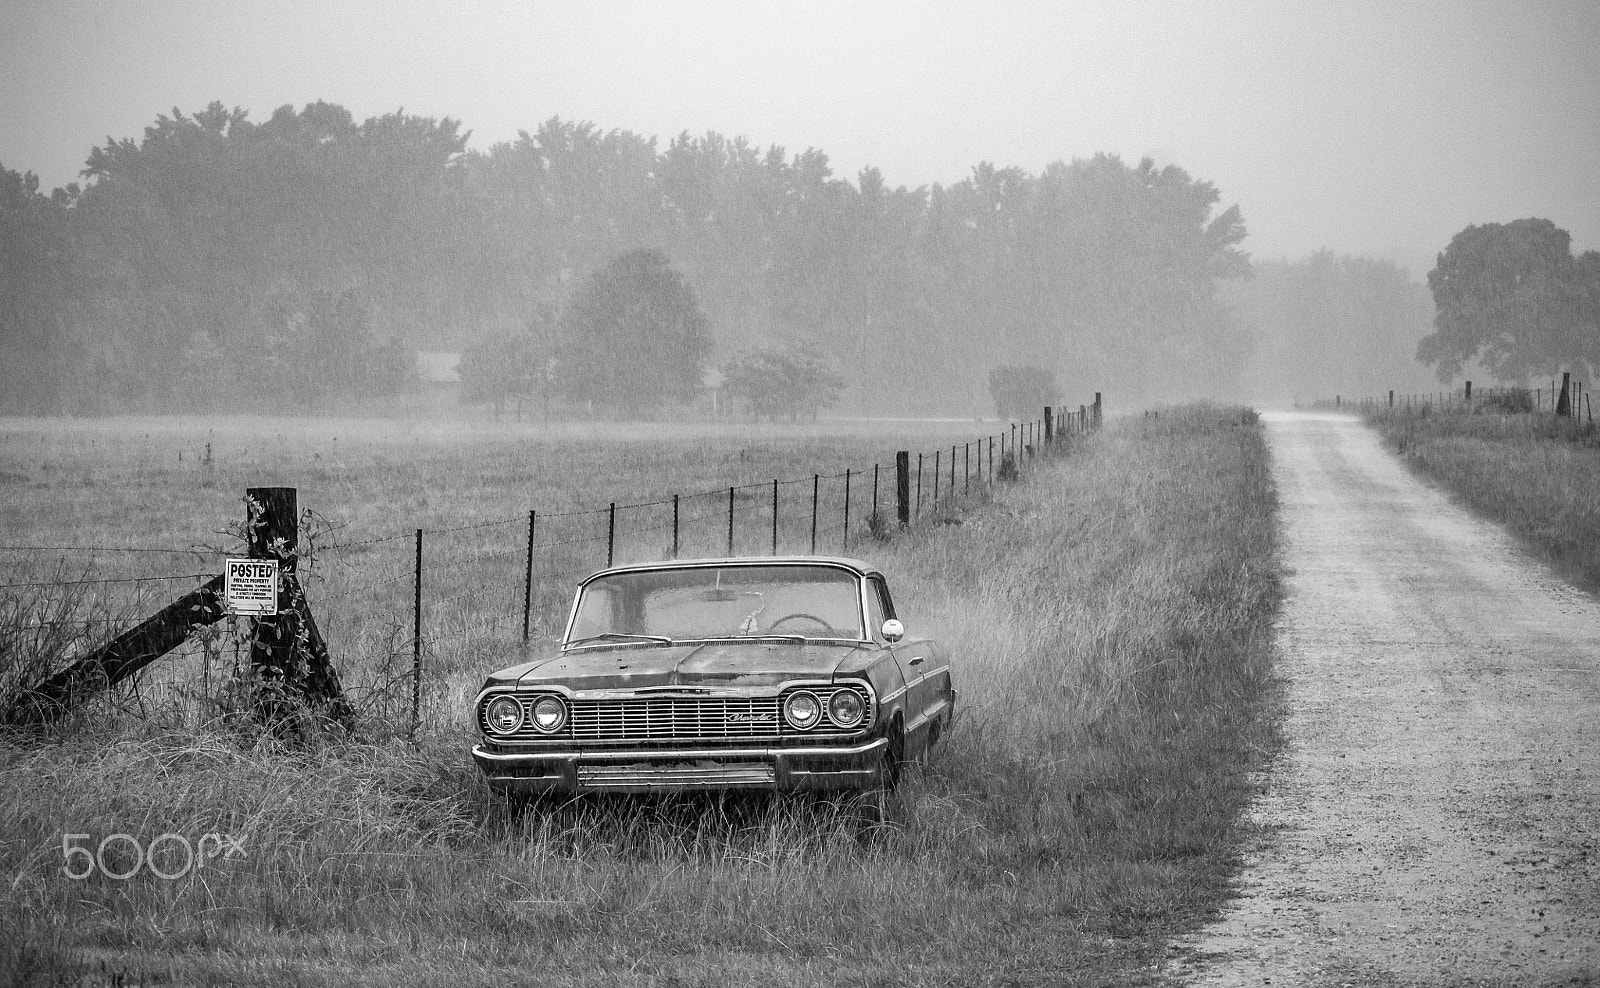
[{"x": 893, "y": 631}]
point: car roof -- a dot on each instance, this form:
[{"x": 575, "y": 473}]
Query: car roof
[{"x": 855, "y": 566}]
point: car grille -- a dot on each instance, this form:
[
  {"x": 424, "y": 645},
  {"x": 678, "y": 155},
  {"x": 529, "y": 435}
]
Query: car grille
[
  {"x": 654, "y": 718},
  {"x": 676, "y": 718}
]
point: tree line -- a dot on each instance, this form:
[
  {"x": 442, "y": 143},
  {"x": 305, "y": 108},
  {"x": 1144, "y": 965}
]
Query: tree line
[
  {"x": 308, "y": 255},
  {"x": 303, "y": 259}
]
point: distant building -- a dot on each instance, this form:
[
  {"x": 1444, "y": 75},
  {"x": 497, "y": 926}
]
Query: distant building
[
  {"x": 711, "y": 387},
  {"x": 436, "y": 367}
]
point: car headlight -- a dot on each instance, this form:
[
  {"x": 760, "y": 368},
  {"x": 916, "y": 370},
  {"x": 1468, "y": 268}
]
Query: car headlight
[
  {"x": 549, "y": 714},
  {"x": 802, "y": 710},
  {"x": 846, "y": 708},
  {"x": 504, "y": 714}
]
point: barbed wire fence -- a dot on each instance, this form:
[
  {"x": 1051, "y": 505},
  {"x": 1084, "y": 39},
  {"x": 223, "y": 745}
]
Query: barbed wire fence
[
  {"x": 1566, "y": 398},
  {"x": 478, "y": 586}
]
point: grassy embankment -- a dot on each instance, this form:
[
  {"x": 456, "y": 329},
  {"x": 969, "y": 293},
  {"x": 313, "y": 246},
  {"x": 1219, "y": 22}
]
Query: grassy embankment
[
  {"x": 1537, "y": 474},
  {"x": 1110, "y": 620}
]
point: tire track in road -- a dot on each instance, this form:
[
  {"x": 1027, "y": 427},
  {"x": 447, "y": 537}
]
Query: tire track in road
[{"x": 1435, "y": 819}]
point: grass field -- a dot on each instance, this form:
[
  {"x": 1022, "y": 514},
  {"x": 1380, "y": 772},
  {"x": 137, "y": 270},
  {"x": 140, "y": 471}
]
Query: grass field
[
  {"x": 1110, "y": 621},
  {"x": 1537, "y": 474}
]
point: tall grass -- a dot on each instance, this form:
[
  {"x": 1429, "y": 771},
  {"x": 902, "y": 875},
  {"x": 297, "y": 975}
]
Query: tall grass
[
  {"x": 1109, "y": 621},
  {"x": 1535, "y": 473}
]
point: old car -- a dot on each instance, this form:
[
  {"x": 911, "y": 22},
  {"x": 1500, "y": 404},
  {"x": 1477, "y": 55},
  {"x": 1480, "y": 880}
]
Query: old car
[{"x": 774, "y": 673}]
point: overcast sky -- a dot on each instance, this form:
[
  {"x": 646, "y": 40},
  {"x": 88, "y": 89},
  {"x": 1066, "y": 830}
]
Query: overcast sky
[{"x": 1375, "y": 128}]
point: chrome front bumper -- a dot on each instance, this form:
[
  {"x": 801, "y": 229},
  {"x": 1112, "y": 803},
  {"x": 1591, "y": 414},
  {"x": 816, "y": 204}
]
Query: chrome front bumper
[{"x": 668, "y": 770}]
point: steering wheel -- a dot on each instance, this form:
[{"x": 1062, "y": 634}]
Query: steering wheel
[{"x": 792, "y": 617}]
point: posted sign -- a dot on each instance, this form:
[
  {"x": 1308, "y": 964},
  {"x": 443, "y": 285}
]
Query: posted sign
[{"x": 251, "y": 586}]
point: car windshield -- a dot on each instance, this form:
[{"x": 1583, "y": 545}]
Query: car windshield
[{"x": 719, "y": 602}]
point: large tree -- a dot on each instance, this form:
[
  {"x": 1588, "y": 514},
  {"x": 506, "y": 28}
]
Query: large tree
[
  {"x": 1512, "y": 297},
  {"x": 633, "y": 336},
  {"x": 795, "y": 379}
]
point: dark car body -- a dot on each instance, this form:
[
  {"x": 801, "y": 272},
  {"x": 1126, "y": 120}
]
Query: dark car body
[{"x": 719, "y": 674}]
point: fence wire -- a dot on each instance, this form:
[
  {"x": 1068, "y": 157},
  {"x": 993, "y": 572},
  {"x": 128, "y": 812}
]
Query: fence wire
[{"x": 487, "y": 583}]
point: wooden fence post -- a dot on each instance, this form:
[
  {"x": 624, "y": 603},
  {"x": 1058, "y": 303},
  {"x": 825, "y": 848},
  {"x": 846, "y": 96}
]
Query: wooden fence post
[
  {"x": 1564, "y": 403},
  {"x": 288, "y": 646},
  {"x": 902, "y": 488},
  {"x": 1049, "y": 425},
  {"x": 272, "y": 531}
]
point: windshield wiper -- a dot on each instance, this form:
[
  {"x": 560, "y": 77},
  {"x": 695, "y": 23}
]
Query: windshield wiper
[{"x": 626, "y": 636}]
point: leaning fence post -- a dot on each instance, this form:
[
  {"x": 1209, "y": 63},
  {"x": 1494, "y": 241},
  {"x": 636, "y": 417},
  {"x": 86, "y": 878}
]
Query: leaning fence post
[
  {"x": 1564, "y": 403},
  {"x": 527, "y": 579},
  {"x": 902, "y": 488},
  {"x": 919, "y": 486},
  {"x": 938, "y": 456},
  {"x": 966, "y": 467}
]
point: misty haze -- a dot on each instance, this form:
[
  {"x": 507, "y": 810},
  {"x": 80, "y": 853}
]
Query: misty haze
[{"x": 713, "y": 493}]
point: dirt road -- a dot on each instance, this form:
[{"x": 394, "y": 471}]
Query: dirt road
[{"x": 1436, "y": 818}]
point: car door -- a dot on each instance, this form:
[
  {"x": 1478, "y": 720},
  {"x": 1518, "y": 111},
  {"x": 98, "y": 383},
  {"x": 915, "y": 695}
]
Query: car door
[{"x": 914, "y": 656}]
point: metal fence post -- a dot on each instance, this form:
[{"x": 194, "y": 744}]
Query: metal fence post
[
  {"x": 845, "y": 542},
  {"x": 816, "y": 489},
  {"x": 416, "y": 641},
  {"x": 527, "y": 580},
  {"x": 918, "y": 510}
]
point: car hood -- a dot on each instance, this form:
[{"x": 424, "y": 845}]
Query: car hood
[{"x": 732, "y": 663}]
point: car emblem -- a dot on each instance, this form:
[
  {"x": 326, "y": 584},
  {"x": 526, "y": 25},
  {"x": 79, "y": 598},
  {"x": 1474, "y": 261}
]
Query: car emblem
[{"x": 750, "y": 718}]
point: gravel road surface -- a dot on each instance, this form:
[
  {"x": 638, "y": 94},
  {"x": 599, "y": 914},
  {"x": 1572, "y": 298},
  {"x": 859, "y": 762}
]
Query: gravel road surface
[{"x": 1436, "y": 817}]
